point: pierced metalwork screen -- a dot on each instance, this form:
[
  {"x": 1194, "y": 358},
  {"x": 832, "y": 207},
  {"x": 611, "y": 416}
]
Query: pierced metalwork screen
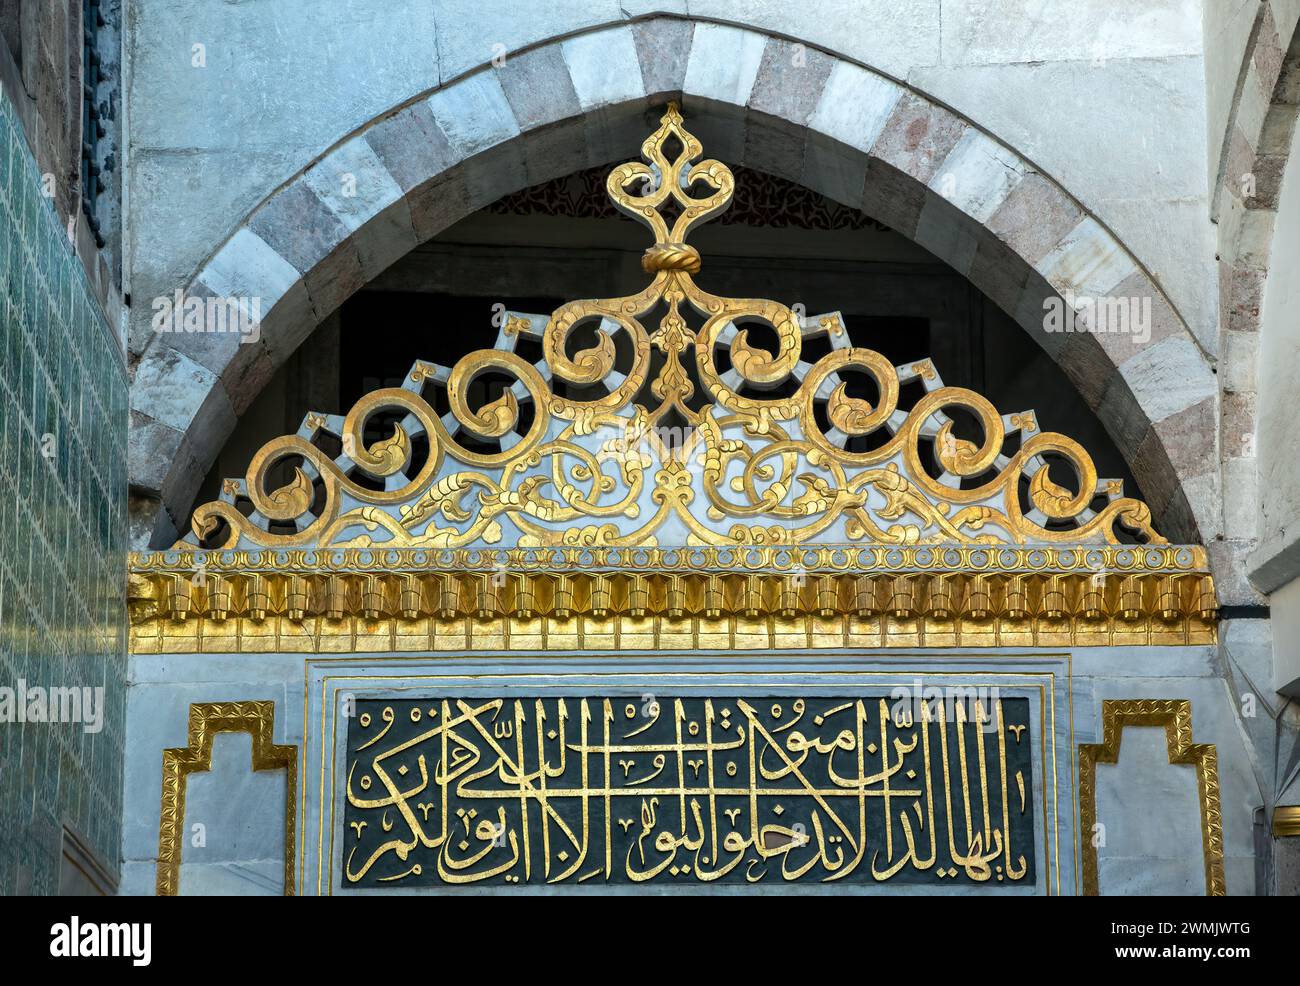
[
  {"x": 689, "y": 790},
  {"x": 696, "y": 433}
]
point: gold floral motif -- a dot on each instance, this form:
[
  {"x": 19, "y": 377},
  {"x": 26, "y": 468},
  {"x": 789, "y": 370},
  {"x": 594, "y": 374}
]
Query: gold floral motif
[
  {"x": 1176, "y": 716},
  {"x": 1026, "y": 422},
  {"x": 750, "y": 466}
]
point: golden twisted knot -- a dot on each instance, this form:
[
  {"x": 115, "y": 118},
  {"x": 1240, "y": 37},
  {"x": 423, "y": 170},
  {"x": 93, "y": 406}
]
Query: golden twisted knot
[{"x": 671, "y": 256}]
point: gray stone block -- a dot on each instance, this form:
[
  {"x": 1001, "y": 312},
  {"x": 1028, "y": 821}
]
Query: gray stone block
[
  {"x": 355, "y": 186},
  {"x": 288, "y": 323},
  {"x": 978, "y": 174},
  {"x": 537, "y": 86},
  {"x": 724, "y": 63},
  {"x": 411, "y": 146},
  {"x": 1087, "y": 261},
  {"x": 1232, "y": 563},
  {"x": 1123, "y": 417},
  {"x": 1001, "y": 275},
  {"x": 1179, "y": 447},
  {"x": 387, "y": 237},
  {"x": 1088, "y": 367},
  {"x": 246, "y": 375},
  {"x": 207, "y": 347},
  {"x": 1035, "y": 217},
  {"x": 790, "y": 82},
  {"x": 556, "y": 150},
  {"x": 495, "y": 172},
  {"x": 854, "y": 107},
  {"x": 147, "y": 518},
  {"x": 773, "y": 148},
  {"x": 335, "y": 278},
  {"x": 297, "y": 224},
  {"x": 1168, "y": 377},
  {"x": 474, "y": 114},
  {"x": 169, "y": 387},
  {"x": 835, "y": 170},
  {"x": 663, "y": 47},
  {"x": 151, "y": 445},
  {"x": 893, "y": 197},
  {"x": 948, "y": 233},
  {"x": 440, "y": 203},
  {"x": 917, "y": 137},
  {"x": 248, "y": 266},
  {"x": 184, "y": 477}
]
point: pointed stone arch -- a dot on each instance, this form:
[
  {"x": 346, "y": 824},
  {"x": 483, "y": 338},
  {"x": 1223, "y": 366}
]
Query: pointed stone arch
[{"x": 757, "y": 100}]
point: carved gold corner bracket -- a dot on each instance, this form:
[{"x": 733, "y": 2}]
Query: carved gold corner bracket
[
  {"x": 1176, "y": 716},
  {"x": 206, "y": 720}
]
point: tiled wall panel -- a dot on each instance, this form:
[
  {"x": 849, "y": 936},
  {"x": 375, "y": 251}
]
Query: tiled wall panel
[{"x": 63, "y": 498}]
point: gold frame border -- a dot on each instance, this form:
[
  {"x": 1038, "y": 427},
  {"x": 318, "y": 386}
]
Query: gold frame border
[
  {"x": 1176, "y": 716},
  {"x": 206, "y": 720},
  {"x": 1047, "y": 719}
]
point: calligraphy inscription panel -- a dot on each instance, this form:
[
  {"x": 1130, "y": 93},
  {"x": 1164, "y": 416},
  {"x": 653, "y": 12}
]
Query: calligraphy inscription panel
[{"x": 445, "y": 792}]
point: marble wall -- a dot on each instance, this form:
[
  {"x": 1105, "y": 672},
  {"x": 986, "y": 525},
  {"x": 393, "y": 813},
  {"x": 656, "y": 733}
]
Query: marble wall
[{"x": 1150, "y": 808}]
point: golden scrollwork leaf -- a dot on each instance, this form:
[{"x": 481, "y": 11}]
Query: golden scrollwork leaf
[{"x": 1047, "y": 496}]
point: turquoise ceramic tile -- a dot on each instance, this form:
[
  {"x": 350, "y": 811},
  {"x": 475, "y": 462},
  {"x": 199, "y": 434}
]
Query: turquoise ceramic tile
[{"x": 62, "y": 528}]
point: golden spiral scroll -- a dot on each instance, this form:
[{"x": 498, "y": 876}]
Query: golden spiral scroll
[{"x": 666, "y": 443}]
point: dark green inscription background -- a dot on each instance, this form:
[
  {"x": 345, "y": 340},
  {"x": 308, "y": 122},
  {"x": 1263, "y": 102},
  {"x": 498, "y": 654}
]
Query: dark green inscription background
[{"x": 670, "y": 797}]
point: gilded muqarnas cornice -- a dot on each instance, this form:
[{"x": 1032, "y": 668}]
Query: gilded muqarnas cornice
[
  {"x": 652, "y": 598},
  {"x": 694, "y": 434}
]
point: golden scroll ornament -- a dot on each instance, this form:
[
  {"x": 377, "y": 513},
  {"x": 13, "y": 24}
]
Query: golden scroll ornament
[{"x": 685, "y": 422}]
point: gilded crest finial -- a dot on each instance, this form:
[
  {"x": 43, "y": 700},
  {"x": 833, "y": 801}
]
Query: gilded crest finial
[{"x": 660, "y": 181}]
